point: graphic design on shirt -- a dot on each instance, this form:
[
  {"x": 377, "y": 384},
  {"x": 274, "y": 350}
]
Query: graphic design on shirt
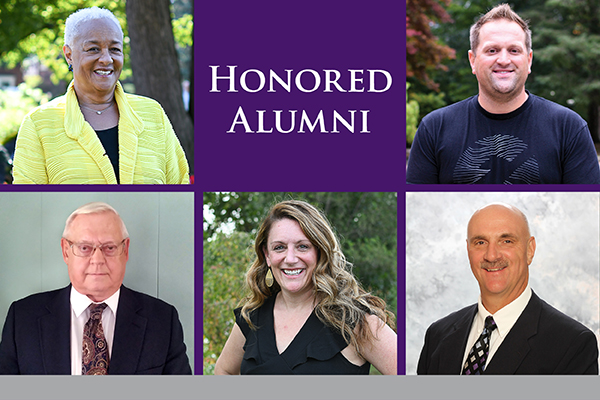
[
  {"x": 528, "y": 172},
  {"x": 469, "y": 169}
]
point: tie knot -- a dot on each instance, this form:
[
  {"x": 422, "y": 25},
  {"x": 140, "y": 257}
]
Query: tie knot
[
  {"x": 490, "y": 324},
  {"x": 96, "y": 309}
]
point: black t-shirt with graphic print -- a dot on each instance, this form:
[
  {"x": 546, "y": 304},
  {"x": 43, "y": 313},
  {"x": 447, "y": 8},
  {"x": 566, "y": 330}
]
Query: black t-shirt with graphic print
[{"x": 540, "y": 142}]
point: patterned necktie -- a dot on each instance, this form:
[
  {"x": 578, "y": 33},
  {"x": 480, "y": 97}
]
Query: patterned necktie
[
  {"x": 478, "y": 355},
  {"x": 94, "y": 358}
]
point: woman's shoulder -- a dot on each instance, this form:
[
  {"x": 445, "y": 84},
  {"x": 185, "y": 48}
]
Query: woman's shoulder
[
  {"x": 146, "y": 108},
  {"x": 375, "y": 323},
  {"x": 255, "y": 315},
  {"x": 50, "y": 109},
  {"x": 138, "y": 98},
  {"x": 139, "y": 102},
  {"x": 241, "y": 321}
]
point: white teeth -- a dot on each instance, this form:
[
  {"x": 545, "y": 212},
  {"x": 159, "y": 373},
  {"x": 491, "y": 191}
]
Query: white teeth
[
  {"x": 103, "y": 72},
  {"x": 494, "y": 270},
  {"x": 292, "y": 271}
]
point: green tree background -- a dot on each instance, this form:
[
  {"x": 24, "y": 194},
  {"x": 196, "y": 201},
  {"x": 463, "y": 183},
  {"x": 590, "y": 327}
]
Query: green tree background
[
  {"x": 366, "y": 224},
  {"x": 566, "y": 55}
]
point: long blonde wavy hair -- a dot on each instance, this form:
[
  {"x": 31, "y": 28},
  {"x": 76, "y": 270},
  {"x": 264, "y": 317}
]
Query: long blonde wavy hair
[{"x": 341, "y": 303}]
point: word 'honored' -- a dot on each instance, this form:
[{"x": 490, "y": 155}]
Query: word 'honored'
[{"x": 306, "y": 80}]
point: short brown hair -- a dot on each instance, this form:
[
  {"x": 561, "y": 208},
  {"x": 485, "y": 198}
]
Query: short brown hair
[{"x": 502, "y": 11}]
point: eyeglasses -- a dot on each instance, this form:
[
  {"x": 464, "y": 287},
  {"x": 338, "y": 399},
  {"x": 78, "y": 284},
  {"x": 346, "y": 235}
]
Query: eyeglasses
[{"x": 88, "y": 249}]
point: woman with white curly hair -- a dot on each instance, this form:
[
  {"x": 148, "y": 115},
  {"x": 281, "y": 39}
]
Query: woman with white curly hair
[{"x": 96, "y": 133}]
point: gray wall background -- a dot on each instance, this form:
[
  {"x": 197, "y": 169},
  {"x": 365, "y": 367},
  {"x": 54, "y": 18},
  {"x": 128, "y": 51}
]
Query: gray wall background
[
  {"x": 564, "y": 271},
  {"x": 161, "y": 253}
]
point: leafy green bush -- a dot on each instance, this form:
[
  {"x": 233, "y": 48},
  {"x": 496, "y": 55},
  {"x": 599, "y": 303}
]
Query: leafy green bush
[
  {"x": 375, "y": 267},
  {"x": 427, "y": 102},
  {"x": 226, "y": 258},
  {"x": 14, "y": 105},
  {"x": 412, "y": 117}
]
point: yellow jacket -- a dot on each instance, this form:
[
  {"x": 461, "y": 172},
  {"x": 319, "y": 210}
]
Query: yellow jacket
[{"x": 56, "y": 145}]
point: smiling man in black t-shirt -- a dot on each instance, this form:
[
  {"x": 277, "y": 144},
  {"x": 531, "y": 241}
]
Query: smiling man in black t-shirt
[{"x": 503, "y": 135}]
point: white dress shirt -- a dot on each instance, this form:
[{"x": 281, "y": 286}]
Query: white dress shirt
[
  {"x": 79, "y": 317},
  {"x": 504, "y": 318}
]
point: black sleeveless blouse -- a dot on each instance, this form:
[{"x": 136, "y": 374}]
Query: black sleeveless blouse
[{"x": 316, "y": 349}]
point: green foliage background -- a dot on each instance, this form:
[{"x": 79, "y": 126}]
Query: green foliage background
[
  {"x": 225, "y": 261},
  {"x": 366, "y": 224},
  {"x": 14, "y": 105},
  {"x": 412, "y": 117}
]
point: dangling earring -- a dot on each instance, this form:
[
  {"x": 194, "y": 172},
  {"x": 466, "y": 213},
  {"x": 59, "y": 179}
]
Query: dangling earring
[
  {"x": 269, "y": 278},
  {"x": 70, "y": 67}
]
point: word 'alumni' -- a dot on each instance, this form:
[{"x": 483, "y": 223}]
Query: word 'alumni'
[{"x": 305, "y": 122}]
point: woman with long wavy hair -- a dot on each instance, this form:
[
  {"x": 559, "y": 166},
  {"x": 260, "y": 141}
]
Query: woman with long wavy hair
[{"x": 305, "y": 312}]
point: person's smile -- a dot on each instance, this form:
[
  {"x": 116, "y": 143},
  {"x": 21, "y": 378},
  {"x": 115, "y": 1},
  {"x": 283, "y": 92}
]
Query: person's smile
[
  {"x": 103, "y": 72},
  {"x": 292, "y": 272}
]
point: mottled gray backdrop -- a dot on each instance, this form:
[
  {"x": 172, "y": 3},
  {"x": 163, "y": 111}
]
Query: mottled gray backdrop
[{"x": 564, "y": 271}]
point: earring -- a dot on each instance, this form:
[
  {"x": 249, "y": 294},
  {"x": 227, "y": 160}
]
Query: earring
[
  {"x": 70, "y": 67},
  {"x": 269, "y": 278}
]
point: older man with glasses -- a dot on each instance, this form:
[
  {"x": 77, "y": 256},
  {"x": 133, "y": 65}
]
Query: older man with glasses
[{"x": 94, "y": 326}]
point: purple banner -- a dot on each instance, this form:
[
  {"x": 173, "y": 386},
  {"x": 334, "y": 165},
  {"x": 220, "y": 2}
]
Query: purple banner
[{"x": 300, "y": 96}]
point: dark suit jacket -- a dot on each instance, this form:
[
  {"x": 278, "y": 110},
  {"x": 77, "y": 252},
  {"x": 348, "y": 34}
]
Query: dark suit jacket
[
  {"x": 148, "y": 336},
  {"x": 542, "y": 341}
]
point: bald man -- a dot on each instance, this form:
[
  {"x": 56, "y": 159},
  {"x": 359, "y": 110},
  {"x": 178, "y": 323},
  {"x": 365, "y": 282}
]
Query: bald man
[{"x": 510, "y": 330}]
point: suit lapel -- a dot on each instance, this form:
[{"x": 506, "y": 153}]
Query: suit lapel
[
  {"x": 55, "y": 334},
  {"x": 453, "y": 345},
  {"x": 515, "y": 346},
  {"x": 130, "y": 328}
]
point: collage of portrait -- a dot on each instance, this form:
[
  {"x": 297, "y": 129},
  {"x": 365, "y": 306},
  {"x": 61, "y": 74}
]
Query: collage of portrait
[{"x": 219, "y": 188}]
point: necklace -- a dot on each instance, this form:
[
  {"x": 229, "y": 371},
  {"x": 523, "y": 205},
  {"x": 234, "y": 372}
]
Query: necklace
[{"x": 96, "y": 111}]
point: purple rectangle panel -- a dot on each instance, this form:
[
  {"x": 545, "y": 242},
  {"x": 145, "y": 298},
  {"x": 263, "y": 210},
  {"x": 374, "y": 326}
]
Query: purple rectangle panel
[{"x": 300, "y": 96}]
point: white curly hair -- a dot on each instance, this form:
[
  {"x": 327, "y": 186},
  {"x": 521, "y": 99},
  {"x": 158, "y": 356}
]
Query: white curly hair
[{"x": 74, "y": 21}]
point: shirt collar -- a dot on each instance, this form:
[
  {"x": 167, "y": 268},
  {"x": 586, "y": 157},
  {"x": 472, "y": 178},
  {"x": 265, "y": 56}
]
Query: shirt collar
[
  {"x": 505, "y": 317},
  {"x": 80, "y": 302}
]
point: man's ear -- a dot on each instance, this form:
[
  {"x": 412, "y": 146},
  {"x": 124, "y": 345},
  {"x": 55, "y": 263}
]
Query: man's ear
[
  {"x": 472, "y": 61},
  {"x": 65, "y": 248},
  {"x": 126, "y": 249},
  {"x": 530, "y": 250}
]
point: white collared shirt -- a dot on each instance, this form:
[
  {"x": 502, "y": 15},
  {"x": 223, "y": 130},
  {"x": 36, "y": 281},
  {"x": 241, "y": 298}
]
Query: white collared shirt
[
  {"x": 504, "y": 318},
  {"x": 79, "y": 317}
]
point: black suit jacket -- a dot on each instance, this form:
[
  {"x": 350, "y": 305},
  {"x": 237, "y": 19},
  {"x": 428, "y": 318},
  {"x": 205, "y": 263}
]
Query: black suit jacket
[
  {"x": 148, "y": 336},
  {"x": 542, "y": 341}
]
